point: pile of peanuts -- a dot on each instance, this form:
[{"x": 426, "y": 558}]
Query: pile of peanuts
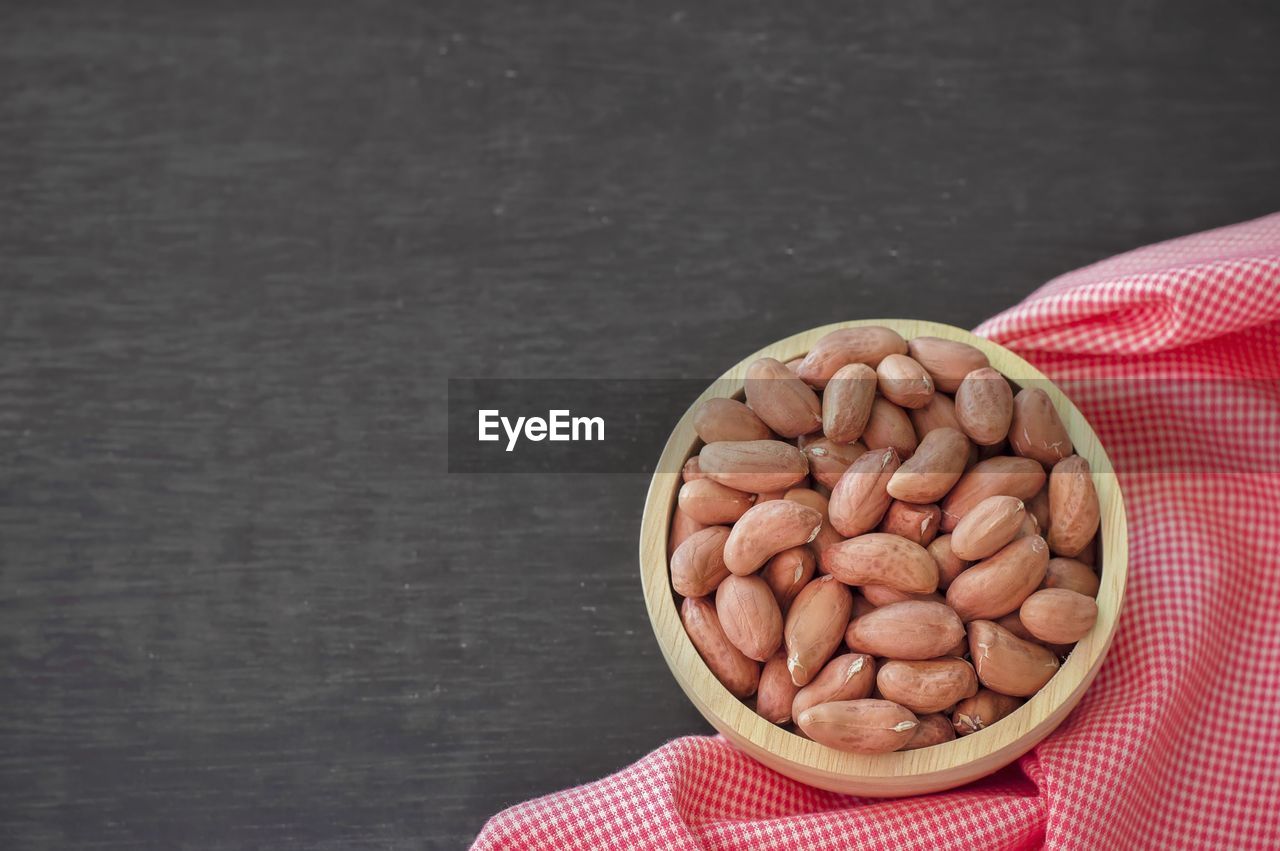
[{"x": 896, "y": 498}]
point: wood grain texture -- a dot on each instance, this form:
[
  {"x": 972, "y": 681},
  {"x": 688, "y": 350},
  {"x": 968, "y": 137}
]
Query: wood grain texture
[
  {"x": 904, "y": 772},
  {"x": 242, "y": 246}
]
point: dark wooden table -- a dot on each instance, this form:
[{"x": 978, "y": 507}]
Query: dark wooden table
[{"x": 242, "y": 247}]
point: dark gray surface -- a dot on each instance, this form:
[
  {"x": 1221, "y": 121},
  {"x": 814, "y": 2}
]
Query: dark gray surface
[{"x": 242, "y": 249}]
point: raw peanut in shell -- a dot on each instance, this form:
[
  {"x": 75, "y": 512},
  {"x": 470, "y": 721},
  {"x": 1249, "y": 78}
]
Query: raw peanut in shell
[
  {"x": 776, "y": 692},
  {"x": 926, "y": 686},
  {"x": 949, "y": 564},
  {"x": 861, "y": 497},
  {"x": 880, "y": 559},
  {"x": 814, "y": 626},
  {"x": 846, "y": 403},
  {"x": 867, "y": 344},
  {"x": 914, "y": 629},
  {"x": 934, "y": 729},
  {"x": 735, "y": 671},
  {"x": 1058, "y": 616},
  {"x": 1006, "y": 663},
  {"x": 749, "y": 616},
  {"x": 1036, "y": 430},
  {"x": 754, "y": 466},
  {"x": 728, "y": 419},
  {"x": 1003, "y": 475},
  {"x": 883, "y": 595},
  {"x": 682, "y": 527},
  {"x": 939, "y": 413},
  {"x": 828, "y": 460},
  {"x": 936, "y": 466},
  {"x": 987, "y": 527},
  {"x": 998, "y": 585},
  {"x": 785, "y": 403},
  {"x": 859, "y": 726},
  {"x": 850, "y": 676},
  {"x": 904, "y": 382},
  {"x": 981, "y": 711},
  {"x": 826, "y": 535},
  {"x": 1073, "y": 507},
  {"x": 984, "y": 406},
  {"x": 917, "y": 523},
  {"x": 691, "y": 472},
  {"x": 788, "y": 572},
  {"x": 889, "y": 427},
  {"x": 1072, "y": 575},
  {"x": 948, "y": 361},
  {"x": 712, "y": 503},
  {"x": 697, "y": 565},
  {"x": 766, "y": 530}
]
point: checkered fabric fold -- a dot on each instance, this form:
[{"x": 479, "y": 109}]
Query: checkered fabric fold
[{"x": 1173, "y": 354}]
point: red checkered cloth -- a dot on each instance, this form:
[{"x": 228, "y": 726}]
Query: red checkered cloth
[{"x": 1173, "y": 354}]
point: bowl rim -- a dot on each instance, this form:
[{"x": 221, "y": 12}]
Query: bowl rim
[{"x": 901, "y": 772}]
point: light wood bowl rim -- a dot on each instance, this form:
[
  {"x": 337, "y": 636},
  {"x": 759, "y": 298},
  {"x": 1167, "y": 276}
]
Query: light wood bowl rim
[{"x": 904, "y": 772}]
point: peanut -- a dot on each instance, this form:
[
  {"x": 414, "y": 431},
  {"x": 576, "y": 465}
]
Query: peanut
[
  {"x": 868, "y": 344},
  {"x": 1006, "y": 663},
  {"x": 712, "y": 503},
  {"x": 998, "y": 585},
  {"x": 987, "y": 527},
  {"x": 766, "y": 530},
  {"x": 982, "y": 710},
  {"x": 861, "y": 497},
  {"x": 948, "y": 361},
  {"x": 903, "y": 381},
  {"x": 1058, "y": 615},
  {"x": 927, "y": 686},
  {"x": 749, "y": 616},
  {"x": 984, "y": 406},
  {"x": 814, "y": 626},
  {"x": 1073, "y": 507},
  {"x": 788, "y": 572},
  {"x": 1036, "y": 430},
  {"x": 784, "y": 402},
  {"x": 889, "y": 427},
  {"x": 859, "y": 726},
  {"x": 697, "y": 565},
  {"x": 913, "y": 629},
  {"x": 850, "y": 676},
  {"x": 880, "y": 559},
  {"x": 717, "y": 420},
  {"x": 917, "y": 523},
  {"x": 754, "y": 466},
  {"x": 776, "y": 692},
  {"x": 734, "y": 670},
  {"x": 846, "y": 403},
  {"x": 936, "y": 466}
]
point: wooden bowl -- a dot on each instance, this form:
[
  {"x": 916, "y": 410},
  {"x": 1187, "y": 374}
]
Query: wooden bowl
[{"x": 904, "y": 772}]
